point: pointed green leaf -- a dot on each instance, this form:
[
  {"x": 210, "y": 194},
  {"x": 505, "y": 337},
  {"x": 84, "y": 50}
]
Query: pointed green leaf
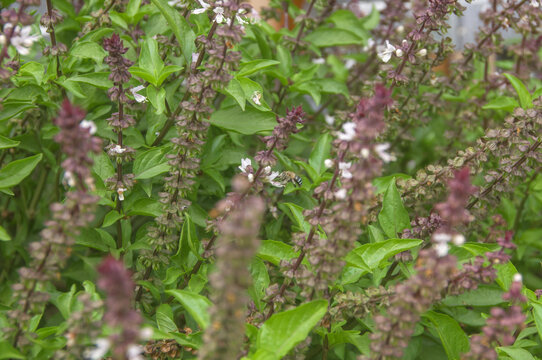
[
  {"x": 393, "y": 217},
  {"x": 454, "y": 340},
  {"x": 15, "y": 172},
  {"x": 523, "y": 94},
  {"x": 195, "y": 304},
  {"x": 6, "y": 143}
]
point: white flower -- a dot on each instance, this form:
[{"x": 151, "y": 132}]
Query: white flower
[
  {"x": 329, "y": 119},
  {"x": 90, "y": 125},
  {"x": 535, "y": 3},
  {"x": 256, "y": 97},
  {"x": 328, "y": 163},
  {"x": 381, "y": 150},
  {"x": 518, "y": 277},
  {"x": 204, "y": 7},
  {"x": 343, "y": 167},
  {"x": 319, "y": 61},
  {"x": 146, "y": 333},
  {"x": 370, "y": 44},
  {"x": 442, "y": 237},
  {"x": 240, "y": 20},
  {"x": 340, "y": 194},
  {"x": 349, "y": 131},
  {"x": 458, "y": 239},
  {"x": 219, "y": 11},
  {"x": 69, "y": 179},
  {"x": 138, "y": 97},
  {"x": 365, "y": 153},
  {"x": 349, "y": 64},
  {"x": 399, "y": 52},
  {"x": 385, "y": 52},
  {"x": 120, "y": 193},
  {"x": 244, "y": 164},
  {"x": 271, "y": 179},
  {"x": 102, "y": 346},
  {"x": 250, "y": 177},
  {"x": 442, "y": 249},
  {"x": 21, "y": 38},
  {"x": 118, "y": 149},
  {"x": 195, "y": 57},
  {"x": 400, "y": 29},
  {"x": 134, "y": 352},
  {"x": 422, "y": 52},
  {"x": 44, "y": 33}
]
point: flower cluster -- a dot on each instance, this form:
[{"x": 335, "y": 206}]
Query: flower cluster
[{"x": 236, "y": 244}]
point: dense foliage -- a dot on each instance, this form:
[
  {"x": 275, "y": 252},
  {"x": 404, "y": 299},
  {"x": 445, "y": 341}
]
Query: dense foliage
[{"x": 181, "y": 180}]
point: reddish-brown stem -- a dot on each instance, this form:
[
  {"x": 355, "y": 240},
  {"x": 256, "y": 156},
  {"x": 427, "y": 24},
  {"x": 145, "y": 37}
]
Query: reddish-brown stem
[
  {"x": 119, "y": 169},
  {"x": 53, "y": 36}
]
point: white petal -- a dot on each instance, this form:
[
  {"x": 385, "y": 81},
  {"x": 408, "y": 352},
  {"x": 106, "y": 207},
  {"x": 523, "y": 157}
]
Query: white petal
[
  {"x": 199, "y": 11},
  {"x": 329, "y": 119},
  {"x": 518, "y": 277},
  {"x": 87, "y": 124},
  {"x": 442, "y": 249}
]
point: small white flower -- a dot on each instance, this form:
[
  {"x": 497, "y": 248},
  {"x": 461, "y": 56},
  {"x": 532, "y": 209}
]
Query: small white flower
[
  {"x": 442, "y": 249},
  {"x": 138, "y": 97},
  {"x": 381, "y": 150},
  {"x": 102, "y": 346},
  {"x": 120, "y": 192},
  {"x": 340, "y": 194},
  {"x": 204, "y": 7},
  {"x": 319, "y": 61},
  {"x": 349, "y": 131},
  {"x": 134, "y": 352},
  {"x": 69, "y": 179},
  {"x": 442, "y": 237},
  {"x": 266, "y": 170},
  {"x": 328, "y": 163},
  {"x": 250, "y": 177},
  {"x": 256, "y": 97},
  {"x": 365, "y": 153},
  {"x": 174, "y": 3},
  {"x": 458, "y": 239},
  {"x": 385, "y": 52},
  {"x": 349, "y": 64},
  {"x": 244, "y": 164},
  {"x": 44, "y": 33},
  {"x": 399, "y": 52},
  {"x": 329, "y": 119},
  {"x": 422, "y": 52},
  {"x": 518, "y": 277},
  {"x": 271, "y": 179},
  {"x": 343, "y": 167},
  {"x": 400, "y": 29},
  {"x": 535, "y": 3},
  {"x": 240, "y": 20},
  {"x": 219, "y": 11},
  {"x": 118, "y": 149},
  {"x": 195, "y": 57},
  {"x": 21, "y": 38},
  {"x": 146, "y": 333},
  {"x": 90, "y": 125},
  {"x": 370, "y": 44}
]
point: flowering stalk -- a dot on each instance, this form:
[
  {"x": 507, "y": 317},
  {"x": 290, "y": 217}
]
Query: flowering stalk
[
  {"x": 119, "y": 121},
  {"x": 237, "y": 244},
  {"x": 50, "y": 254},
  {"x": 49, "y": 20}
]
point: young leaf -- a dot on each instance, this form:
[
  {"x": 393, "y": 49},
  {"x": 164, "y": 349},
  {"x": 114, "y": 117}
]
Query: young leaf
[
  {"x": 195, "y": 304},
  {"x": 523, "y": 94},
  {"x": 282, "y": 331},
  {"x": 320, "y": 153},
  {"x": 150, "y": 163},
  {"x": 4, "y": 235},
  {"x": 537, "y": 315},
  {"x": 236, "y": 91},
  {"x": 164, "y": 319},
  {"x": 150, "y": 61},
  {"x": 6, "y": 143},
  {"x": 9, "y": 352},
  {"x": 254, "y": 66},
  {"x": 88, "y": 50},
  {"x": 34, "y": 69},
  {"x": 393, "y": 217},
  {"x": 453, "y": 338},
  {"x": 157, "y": 98},
  {"x": 15, "y": 172},
  {"x": 248, "y": 122}
]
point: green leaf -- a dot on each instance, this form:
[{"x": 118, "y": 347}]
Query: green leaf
[
  {"x": 10, "y": 110},
  {"x": 331, "y": 86},
  {"x": 88, "y": 50},
  {"x": 325, "y": 37},
  {"x": 501, "y": 103},
  {"x": 184, "y": 34},
  {"x": 142, "y": 73},
  {"x": 251, "y": 89},
  {"x": 453, "y": 338},
  {"x": 189, "y": 237},
  {"x": 516, "y": 353},
  {"x": 537, "y": 314},
  {"x": 393, "y": 217},
  {"x": 150, "y": 163},
  {"x": 111, "y": 218},
  {"x": 382, "y": 183},
  {"x": 195, "y": 304},
  {"x": 340, "y": 336},
  {"x": 296, "y": 214},
  {"x": 15, "y": 172},
  {"x": 371, "y": 256},
  {"x": 4, "y": 236},
  {"x": 9, "y": 352},
  {"x": 311, "y": 88},
  {"x": 282, "y": 331},
  {"x": 235, "y": 90},
  {"x": 482, "y": 296},
  {"x": 275, "y": 251},
  {"x": 150, "y": 61},
  {"x": 157, "y": 98},
  {"x": 248, "y": 122},
  {"x": 346, "y": 20},
  {"x": 34, "y": 69},
  {"x": 285, "y": 58},
  {"x": 168, "y": 70},
  {"x": 98, "y": 79},
  {"x": 320, "y": 153},
  {"x": 254, "y": 66},
  {"x": 505, "y": 275},
  {"x": 524, "y": 96},
  {"x": 6, "y": 143},
  {"x": 372, "y": 20},
  {"x": 164, "y": 319}
]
